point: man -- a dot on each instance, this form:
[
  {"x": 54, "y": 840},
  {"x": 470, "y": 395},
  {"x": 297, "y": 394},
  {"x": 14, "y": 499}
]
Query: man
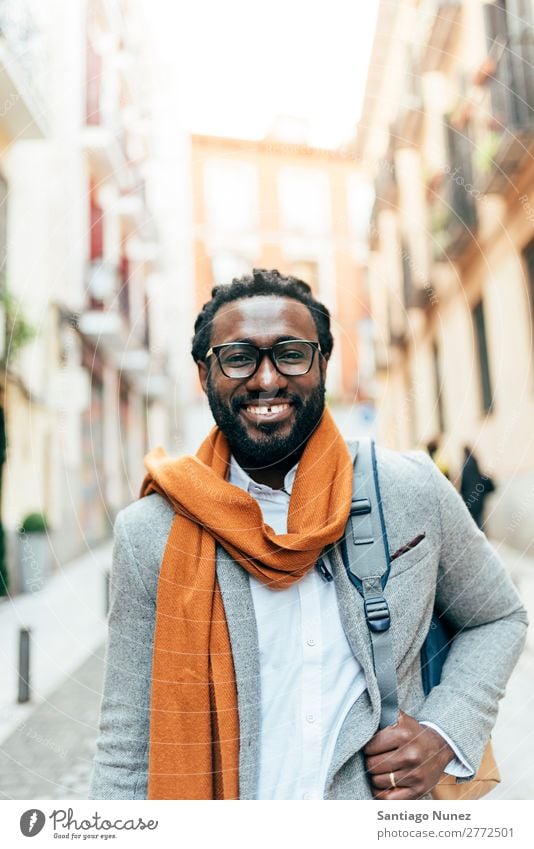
[
  {"x": 235, "y": 667},
  {"x": 474, "y": 486}
]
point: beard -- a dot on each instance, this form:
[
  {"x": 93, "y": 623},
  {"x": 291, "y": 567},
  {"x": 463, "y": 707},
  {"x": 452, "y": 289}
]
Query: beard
[{"x": 270, "y": 446}]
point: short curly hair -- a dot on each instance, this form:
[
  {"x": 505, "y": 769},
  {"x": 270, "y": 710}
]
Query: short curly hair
[{"x": 262, "y": 281}]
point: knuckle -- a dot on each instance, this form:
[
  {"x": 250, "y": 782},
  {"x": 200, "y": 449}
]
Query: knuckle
[
  {"x": 406, "y": 735},
  {"x": 412, "y": 756}
]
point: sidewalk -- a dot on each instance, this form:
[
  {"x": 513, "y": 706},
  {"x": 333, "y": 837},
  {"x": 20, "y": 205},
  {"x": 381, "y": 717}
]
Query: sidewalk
[
  {"x": 513, "y": 735},
  {"x": 67, "y": 619}
]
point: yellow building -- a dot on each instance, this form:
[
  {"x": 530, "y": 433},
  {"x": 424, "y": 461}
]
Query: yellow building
[{"x": 447, "y": 135}]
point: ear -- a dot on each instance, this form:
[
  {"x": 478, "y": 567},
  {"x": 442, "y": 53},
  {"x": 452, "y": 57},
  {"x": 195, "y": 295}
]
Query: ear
[
  {"x": 323, "y": 364},
  {"x": 203, "y": 375}
]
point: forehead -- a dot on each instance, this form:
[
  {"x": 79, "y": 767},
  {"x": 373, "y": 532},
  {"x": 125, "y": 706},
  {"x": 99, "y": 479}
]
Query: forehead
[{"x": 262, "y": 319}]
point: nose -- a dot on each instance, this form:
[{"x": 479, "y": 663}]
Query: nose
[{"x": 266, "y": 378}]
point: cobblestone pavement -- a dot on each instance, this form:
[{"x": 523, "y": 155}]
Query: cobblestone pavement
[{"x": 49, "y": 756}]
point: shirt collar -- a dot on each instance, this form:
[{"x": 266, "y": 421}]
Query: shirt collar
[{"x": 240, "y": 478}]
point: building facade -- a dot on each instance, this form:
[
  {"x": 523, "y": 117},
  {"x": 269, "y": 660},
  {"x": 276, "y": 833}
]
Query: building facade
[
  {"x": 447, "y": 135},
  {"x": 84, "y": 397}
]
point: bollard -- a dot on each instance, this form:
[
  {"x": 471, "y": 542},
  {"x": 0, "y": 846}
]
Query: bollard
[{"x": 24, "y": 665}]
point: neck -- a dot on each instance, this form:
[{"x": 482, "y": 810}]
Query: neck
[{"x": 272, "y": 475}]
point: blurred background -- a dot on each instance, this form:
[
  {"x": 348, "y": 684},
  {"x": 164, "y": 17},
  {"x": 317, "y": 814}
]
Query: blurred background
[{"x": 149, "y": 150}]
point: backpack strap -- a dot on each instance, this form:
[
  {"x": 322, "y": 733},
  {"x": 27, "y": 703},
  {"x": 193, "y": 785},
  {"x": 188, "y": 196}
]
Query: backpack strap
[{"x": 366, "y": 558}]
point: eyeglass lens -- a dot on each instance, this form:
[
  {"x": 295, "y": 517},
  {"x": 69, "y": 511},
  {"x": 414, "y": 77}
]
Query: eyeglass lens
[{"x": 291, "y": 358}]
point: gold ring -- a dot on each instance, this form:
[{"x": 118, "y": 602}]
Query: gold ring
[{"x": 392, "y": 780}]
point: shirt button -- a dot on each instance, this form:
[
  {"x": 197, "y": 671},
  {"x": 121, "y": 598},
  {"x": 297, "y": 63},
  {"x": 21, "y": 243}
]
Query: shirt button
[
  {"x": 310, "y": 717},
  {"x": 310, "y": 641},
  {"x": 306, "y": 796}
]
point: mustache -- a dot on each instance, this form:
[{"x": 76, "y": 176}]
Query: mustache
[{"x": 240, "y": 400}]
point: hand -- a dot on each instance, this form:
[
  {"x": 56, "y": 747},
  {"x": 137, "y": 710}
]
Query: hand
[{"x": 414, "y": 753}]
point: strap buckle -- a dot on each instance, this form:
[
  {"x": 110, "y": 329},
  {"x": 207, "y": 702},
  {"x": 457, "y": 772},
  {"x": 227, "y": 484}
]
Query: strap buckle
[
  {"x": 377, "y": 613},
  {"x": 360, "y": 506}
]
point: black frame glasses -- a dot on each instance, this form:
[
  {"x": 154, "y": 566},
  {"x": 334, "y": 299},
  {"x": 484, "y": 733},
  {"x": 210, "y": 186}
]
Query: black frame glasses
[{"x": 245, "y": 370}]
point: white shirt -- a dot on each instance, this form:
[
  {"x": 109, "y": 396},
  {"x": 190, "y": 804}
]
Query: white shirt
[{"x": 309, "y": 676}]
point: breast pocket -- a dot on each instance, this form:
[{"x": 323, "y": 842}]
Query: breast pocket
[{"x": 414, "y": 555}]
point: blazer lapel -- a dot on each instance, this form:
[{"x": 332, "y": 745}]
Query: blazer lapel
[{"x": 241, "y": 620}]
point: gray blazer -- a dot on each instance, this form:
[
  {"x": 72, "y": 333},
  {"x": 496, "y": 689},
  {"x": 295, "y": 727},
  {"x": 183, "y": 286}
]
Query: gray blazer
[{"x": 454, "y": 564}]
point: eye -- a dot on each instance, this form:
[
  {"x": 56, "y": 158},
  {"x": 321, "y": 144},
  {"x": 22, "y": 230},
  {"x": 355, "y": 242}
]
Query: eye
[
  {"x": 238, "y": 359},
  {"x": 291, "y": 355}
]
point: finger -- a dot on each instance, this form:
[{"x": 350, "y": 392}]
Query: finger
[
  {"x": 402, "y": 779},
  {"x": 386, "y": 740},
  {"x": 397, "y": 759},
  {"x": 397, "y": 794}
]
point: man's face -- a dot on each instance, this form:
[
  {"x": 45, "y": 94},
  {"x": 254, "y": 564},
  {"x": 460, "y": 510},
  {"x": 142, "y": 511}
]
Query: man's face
[{"x": 261, "y": 439}]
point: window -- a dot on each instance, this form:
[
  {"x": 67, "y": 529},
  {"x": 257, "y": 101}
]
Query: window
[
  {"x": 510, "y": 40},
  {"x": 226, "y": 265},
  {"x": 481, "y": 344},
  {"x": 462, "y": 201},
  {"x": 307, "y": 270},
  {"x": 304, "y": 200},
  {"x": 231, "y": 194}
]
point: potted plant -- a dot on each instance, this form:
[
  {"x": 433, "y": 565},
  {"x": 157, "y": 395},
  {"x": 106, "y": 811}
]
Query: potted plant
[{"x": 34, "y": 552}]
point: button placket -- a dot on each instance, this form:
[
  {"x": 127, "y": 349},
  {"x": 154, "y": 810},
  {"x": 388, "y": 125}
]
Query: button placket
[{"x": 311, "y": 695}]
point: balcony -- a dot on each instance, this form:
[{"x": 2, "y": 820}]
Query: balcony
[
  {"x": 453, "y": 218},
  {"x": 417, "y": 294},
  {"x": 438, "y": 28},
  {"x": 409, "y": 121},
  {"x": 22, "y": 69},
  {"x": 507, "y": 143},
  {"x": 105, "y": 329},
  {"x": 156, "y": 387},
  {"x": 104, "y": 144},
  {"x": 385, "y": 187},
  {"x": 134, "y": 363},
  {"x": 102, "y": 280}
]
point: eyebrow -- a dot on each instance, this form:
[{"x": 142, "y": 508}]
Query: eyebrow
[{"x": 248, "y": 341}]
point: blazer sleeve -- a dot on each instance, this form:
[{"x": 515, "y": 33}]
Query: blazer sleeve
[
  {"x": 120, "y": 766},
  {"x": 477, "y": 596}
]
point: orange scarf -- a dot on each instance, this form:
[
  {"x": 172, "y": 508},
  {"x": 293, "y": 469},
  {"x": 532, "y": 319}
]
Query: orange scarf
[{"x": 194, "y": 723}]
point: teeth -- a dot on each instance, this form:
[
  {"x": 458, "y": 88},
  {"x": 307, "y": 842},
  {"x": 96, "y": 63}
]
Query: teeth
[{"x": 264, "y": 411}]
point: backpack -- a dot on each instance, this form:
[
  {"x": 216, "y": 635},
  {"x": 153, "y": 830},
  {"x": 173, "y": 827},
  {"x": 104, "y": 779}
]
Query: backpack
[{"x": 365, "y": 553}]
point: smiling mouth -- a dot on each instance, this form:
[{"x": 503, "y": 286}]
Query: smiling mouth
[{"x": 267, "y": 412}]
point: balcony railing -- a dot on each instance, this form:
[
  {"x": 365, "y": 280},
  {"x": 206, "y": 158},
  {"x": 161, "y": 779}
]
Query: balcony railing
[
  {"x": 22, "y": 69},
  {"x": 453, "y": 216},
  {"x": 507, "y": 142}
]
